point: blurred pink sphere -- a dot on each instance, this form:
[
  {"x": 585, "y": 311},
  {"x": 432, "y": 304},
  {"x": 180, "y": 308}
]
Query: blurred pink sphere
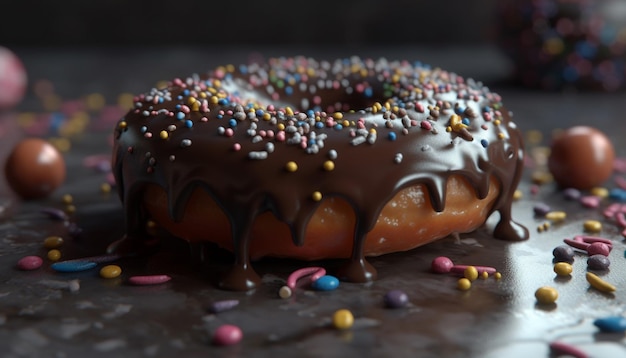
[{"x": 13, "y": 79}]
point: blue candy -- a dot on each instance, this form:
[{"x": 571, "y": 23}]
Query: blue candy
[
  {"x": 326, "y": 283},
  {"x": 611, "y": 324},
  {"x": 73, "y": 266}
]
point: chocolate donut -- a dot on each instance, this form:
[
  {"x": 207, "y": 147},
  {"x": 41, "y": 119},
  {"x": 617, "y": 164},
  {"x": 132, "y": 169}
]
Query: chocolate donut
[{"x": 259, "y": 152}]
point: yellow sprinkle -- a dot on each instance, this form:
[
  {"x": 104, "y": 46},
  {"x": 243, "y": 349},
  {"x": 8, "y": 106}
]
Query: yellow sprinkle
[
  {"x": 346, "y": 123},
  {"x": 214, "y": 99},
  {"x": 593, "y": 226},
  {"x": 496, "y": 122},
  {"x": 122, "y": 124},
  {"x": 518, "y": 194},
  {"x": 195, "y": 106},
  {"x": 316, "y": 196},
  {"x": 373, "y": 130},
  {"x": 343, "y": 319},
  {"x": 470, "y": 273},
  {"x": 338, "y": 115},
  {"x": 501, "y": 135},
  {"x": 546, "y": 295},
  {"x": 563, "y": 268},
  {"x": 110, "y": 271},
  {"x": 556, "y": 215},
  {"x": 162, "y": 84},
  {"x": 267, "y": 116},
  {"x": 448, "y": 129},
  {"x": 67, "y": 199},
  {"x": 600, "y": 192},
  {"x": 164, "y": 135},
  {"x": 217, "y": 83},
  {"x": 280, "y": 126},
  {"x": 70, "y": 209},
  {"x": 230, "y": 68},
  {"x": 464, "y": 284},
  {"x": 95, "y": 101},
  {"x": 289, "y": 111},
  {"x": 291, "y": 166},
  {"x": 53, "y": 242},
  {"x": 105, "y": 188},
  {"x": 497, "y": 275},
  {"x": 54, "y": 255},
  {"x": 484, "y": 275},
  {"x": 202, "y": 95},
  {"x": 329, "y": 165}
]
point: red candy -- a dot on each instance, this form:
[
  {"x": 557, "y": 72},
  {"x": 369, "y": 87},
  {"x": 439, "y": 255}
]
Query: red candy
[
  {"x": 13, "y": 79},
  {"x": 29, "y": 263},
  {"x": 227, "y": 335}
]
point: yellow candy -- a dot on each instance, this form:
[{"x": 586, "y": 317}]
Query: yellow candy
[
  {"x": 518, "y": 194},
  {"x": 497, "y": 275},
  {"x": 343, "y": 319},
  {"x": 592, "y": 226},
  {"x": 54, "y": 255},
  {"x": 470, "y": 273},
  {"x": 464, "y": 284},
  {"x": 556, "y": 215},
  {"x": 329, "y": 165},
  {"x": 563, "y": 269},
  {"x": 67, "y": 199},
  {"x": 291, "y": 166},
  {"x": 53, "y": 242},
  {"x": 600, "y": 192},
  {"x": 316, "y": 196},
  {"x": 110, "y": 271},
  {"x": 546, "y": 295}
]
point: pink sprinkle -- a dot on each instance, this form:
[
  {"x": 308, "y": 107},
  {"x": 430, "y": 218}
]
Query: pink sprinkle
[
  {"x": 148, "y": 135},
  {"x": 229, "y": 132},
  {"x": 315, "y": 272},
  {"x": 560, "y": 348},
  {"x": 413, "y": 122},
  {"x": 29, "y": 263},
  {"x": 263, "y": 133},
  {"x": 270, "y": 133},
  {"x": 236, "y": 147},
  {"x": 621, "y": 219},
  {"x": 419, "y": 107},
  {"x": 534, "y": 189},
  {"x": 185, "y": 109},
  {"x": 590, "y": 201},
  {"x": 620, "y": 182},
  {"x": 177, "y": 81},
  {"x": 280, "y": 136},
  {"x": 426, "y": 125},
  {"x": 227, "y": 335},
  {"x": 487, "y": 116},
  {"x": 149, "y": 280},
  {"x": 317, "y": 100},
  {"x": 204, "y": 119}
]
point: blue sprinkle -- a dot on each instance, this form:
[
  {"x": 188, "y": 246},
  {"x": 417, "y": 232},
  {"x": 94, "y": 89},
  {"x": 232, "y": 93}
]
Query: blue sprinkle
[
  {"x": 161, "y": 100},
  {"x": 310, "y": 113},
  {"x": 392, "y": 136},
  {"x": 179, "y": 97},
  {"x": 259, "y": 112},
  {"x": 220, "y": 116},
  {"x": 73, "y": 266},
  {"x": 617, "y": 194},
  {"x": 465, "y": 121},
  {"x": 288, "y": 90},
  {"x": 243, "y": 69},
  {"x": 459, "y": 110},
  {"x": 319, "y": 125},
  {"x": 326, "y": 283},
  {"x": 180, "y": 116},
  {"x": 232, "y": 122},
  {"x": 338, "y": 126},
  {"x": 222, "y": 101},
  {"x": 178, "y": 107},
  {"x": 368, "y": 92},
  {"x": 144, "y": 129},
  {"x": 611, "y": 324},
  {"x": 486, "y": 109},
  {"x": 188, "y": 123},
  {"x": 484, "y": 143},
  {"x": 186, "y": 92}
]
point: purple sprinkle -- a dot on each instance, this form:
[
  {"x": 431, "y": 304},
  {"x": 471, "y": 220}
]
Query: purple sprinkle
[
  {"x": 55, "y": 214},
  {"x": 563, "y": 253},
  {"x": 222, "y": 306},
  {"x": 541, "y": 209},
  {"x": 571, "y": 194},
  {"x": 74, "y": 230},
  {"x": 396, "y": 299},
  {"x": 598, "y": 262}
]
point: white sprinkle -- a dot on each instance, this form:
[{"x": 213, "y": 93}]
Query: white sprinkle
[
  {"x": 185, "y": 143},
  {"x": 332, "y": 154},
  {"x": 358, "y": 140},
  {"x": 258, "y": 155},
  {"x": 398, "y": 158},
  {"x": 269, "y": 147}
]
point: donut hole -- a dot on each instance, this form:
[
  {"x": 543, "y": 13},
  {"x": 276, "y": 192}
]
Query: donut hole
[{"x": 405, "y": 222}]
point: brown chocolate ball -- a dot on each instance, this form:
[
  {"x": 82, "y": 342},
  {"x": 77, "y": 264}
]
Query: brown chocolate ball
[
  {"x": 581, "y": 157},
  {"x": 34, "y": 169}
]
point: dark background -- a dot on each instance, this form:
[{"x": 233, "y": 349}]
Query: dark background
[{"x": 279, "y": 22}]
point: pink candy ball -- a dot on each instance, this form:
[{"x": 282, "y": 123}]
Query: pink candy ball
[
  {"x": 227, "y": 335},
  {"x": 29, "y": 263},
  {"x": 13, "y": 79}
]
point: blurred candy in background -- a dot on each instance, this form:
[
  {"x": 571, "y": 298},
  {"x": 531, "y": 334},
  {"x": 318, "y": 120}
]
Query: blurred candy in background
[
  {"x": 13, "y": 79},
  {"x": 556, "y": 44}
]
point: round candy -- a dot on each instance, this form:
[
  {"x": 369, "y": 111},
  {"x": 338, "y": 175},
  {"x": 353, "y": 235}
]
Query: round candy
[
  {"x": 13, "y": 79},
  {"x": 546, "y": 295},
  {"x": 563, "y": 269},
  {"x": 343, "y": 319},
  {"x": 563, "y": 253},
  {"x": 464, "y": 284},
  {"x": 598, "y": 262},
  {"x": 28, "y": 263},
  {"x": 54, "y": 255},
  {"x": 53, "y": 242},
  {"x": 396, "y": 299},
  {"x": 441, "y": 264},
  {"x": 581, "y": 157},
  {"x": 227, "y": 335},
  {"x": 598, "y": 248},
  {"x": 470, "y": 273},
  {"x": 34, "y": 169},
  {"x": 326, "y": 283},
  {"x": 110, "y": 271}
]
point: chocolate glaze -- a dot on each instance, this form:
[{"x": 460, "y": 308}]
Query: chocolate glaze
[{"x": 442, "y": 125}]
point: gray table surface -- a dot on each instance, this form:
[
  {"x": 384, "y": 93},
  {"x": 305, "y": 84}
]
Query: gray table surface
[{"x": 111, "y": 318}]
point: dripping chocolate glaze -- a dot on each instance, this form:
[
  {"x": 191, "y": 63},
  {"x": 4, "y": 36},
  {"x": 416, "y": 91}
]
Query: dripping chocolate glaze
[{"x": 423, "y": 106}]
